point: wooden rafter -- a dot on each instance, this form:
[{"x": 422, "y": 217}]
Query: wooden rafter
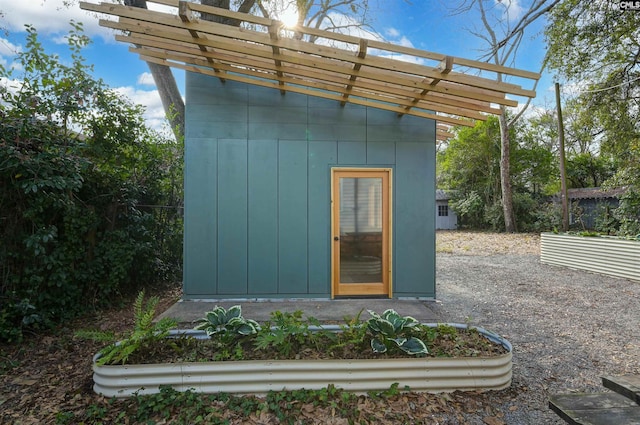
[
  {"x": 186, "y": 15},
  {"x": 274, "y": 29},
  {"x": 362, "y": 53},
  {"x": 443, "y": 132},
  {"x": 445, "y": 67},
  {"x": 350, "y": 74}
]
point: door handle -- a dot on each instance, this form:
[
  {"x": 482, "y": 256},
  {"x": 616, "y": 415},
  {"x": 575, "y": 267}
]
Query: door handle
[{"x": 336, "y": 238}]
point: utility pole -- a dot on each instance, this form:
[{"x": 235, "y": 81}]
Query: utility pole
[{"x": 563, "y": 173}]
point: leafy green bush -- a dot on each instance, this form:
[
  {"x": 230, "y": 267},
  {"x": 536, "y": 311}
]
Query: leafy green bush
[
  {"x": 604, "y": 220},
  {"x": 220, "y": 320},
  {"x": 286, "y": 332},
  {"x": 470, "y": 209},
  {"x": 79, "y": 176},
  {"x": 391, "y": 330},
  {"x": 628, "y": 212},
  {"x": 548, "y": 216}
]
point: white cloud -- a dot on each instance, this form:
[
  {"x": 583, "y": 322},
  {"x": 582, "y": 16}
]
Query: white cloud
[
  {"x": 12, "y": 86},
  {"x": 392, "y": 33},
  {"x": 150, "y": 99},
  {"x": 146, "y": 79},
  {"x": 50, "y": 17},
  {"x": 8, "y": 49},
  {"x": 513, "y": 9},
  {"x": 404, "y": 41}
]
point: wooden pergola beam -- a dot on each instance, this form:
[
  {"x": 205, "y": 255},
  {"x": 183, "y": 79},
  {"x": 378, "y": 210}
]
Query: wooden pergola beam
[
  {"x": 348, "y": 75},
  {"x": 310, "y": 92},
  {"x": 314, "y": 79},
  {"x": 310, "y": 88},
  {"x": 373, "y": 44},
  {"x": 362, "y": 53},
  {"x": 241, "y": 37},
  {"x": 323, "y": 81},
  {"x": 274, "y": 28},
  {"x": 300, "y": 60},
  {"x": 186, "y": 15},
  {"x": 444, "y": 68}
]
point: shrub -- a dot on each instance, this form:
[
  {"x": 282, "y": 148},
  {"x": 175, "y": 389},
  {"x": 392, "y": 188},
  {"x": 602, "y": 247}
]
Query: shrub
[
  {"x": 76, "y": 229},
  {"x": 628, "y": 212},
  {"x": 470, "y": 209}
]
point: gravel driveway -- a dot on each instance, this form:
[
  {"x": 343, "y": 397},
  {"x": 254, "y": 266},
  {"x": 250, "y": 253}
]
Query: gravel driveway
[{"x": 567, "y": 327}]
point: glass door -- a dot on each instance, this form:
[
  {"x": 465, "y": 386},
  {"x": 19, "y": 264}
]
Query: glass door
[{"x": 361, "y": 232}]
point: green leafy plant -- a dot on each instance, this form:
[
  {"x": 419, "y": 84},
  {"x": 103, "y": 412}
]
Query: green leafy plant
[
  {"x": 391, "y": 330},
  {"x": 220, "y": 320},
  {"x": 285, "y": 336},
  {"x": 79, "y": 225},
  {"x": 287, "y": 332},
  {"x": 352, "y": 335},
  {"x": 145, "y": 332}
]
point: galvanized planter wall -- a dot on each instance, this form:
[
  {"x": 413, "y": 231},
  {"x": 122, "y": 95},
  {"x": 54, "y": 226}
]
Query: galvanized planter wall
[
  {"x": 605, "y": 255},
  {"x": 260, "y": 377}
]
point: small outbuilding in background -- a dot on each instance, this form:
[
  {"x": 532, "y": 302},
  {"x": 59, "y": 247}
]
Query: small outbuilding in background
[
  {"x": 588, "y": 204},
  {"x": 446, "y": 217}
]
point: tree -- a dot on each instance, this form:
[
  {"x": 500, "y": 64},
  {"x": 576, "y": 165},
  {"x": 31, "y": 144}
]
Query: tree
[
  {"x": 329, "y": 15},
  {"x": 469, "y": 167},
  {"x": 597, "y": 45},
  {"x": 502, "y": 49},
  {"x": 535, "y": 166},
  {"x": 78, "y": 172},
  {"x": 163, "y": 75},
  {"x": 588, "y": 170}
]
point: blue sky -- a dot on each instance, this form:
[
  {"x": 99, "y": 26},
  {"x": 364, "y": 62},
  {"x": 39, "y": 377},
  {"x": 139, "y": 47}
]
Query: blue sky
[{"x": 424, "y": 24}]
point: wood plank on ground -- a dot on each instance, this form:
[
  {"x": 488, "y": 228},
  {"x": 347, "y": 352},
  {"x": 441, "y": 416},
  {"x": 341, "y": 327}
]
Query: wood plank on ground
[
  {"x": 626, "y": 385},
  {"x": 595, "y": 409}
]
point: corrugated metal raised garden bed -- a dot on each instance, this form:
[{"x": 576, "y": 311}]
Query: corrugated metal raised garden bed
[
  {"x": 599, "y": 254},
  {"x": 426, "y": 374}
]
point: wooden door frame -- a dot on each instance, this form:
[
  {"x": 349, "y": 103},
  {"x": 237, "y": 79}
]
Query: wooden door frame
[{"x": 387, "y": 238}]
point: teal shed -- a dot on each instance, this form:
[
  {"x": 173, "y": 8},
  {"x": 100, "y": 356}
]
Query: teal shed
[
  {"x": 263, "y": 174},
  {"x": 309, "y": 167}
]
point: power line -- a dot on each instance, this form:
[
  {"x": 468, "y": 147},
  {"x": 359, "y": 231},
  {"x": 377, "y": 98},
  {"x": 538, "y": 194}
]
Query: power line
[{"x": 609, "y": 88}]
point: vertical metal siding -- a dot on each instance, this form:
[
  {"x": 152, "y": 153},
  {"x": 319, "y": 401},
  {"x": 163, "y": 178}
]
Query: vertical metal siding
[
  {"x": 321, "y": 154},
  {"x": 268, "y": 206},
  {"x": 605, "y": 255},
  {"x": 262, "y": 237}
]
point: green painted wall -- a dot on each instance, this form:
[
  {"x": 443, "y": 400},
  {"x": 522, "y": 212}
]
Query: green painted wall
[{"x": 257, "y": 190}]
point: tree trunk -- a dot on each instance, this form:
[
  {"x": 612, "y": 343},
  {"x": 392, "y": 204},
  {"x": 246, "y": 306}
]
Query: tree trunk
[
  {"x": 505, "y": 175},
  {"x": 167, "y": 87},
  {"x": 170, "y": 97},
  {"x": 163, "y": 76}
]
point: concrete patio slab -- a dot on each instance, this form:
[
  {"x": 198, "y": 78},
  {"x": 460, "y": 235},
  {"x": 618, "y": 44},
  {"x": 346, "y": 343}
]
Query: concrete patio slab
[{"x": 187, "y": 312}]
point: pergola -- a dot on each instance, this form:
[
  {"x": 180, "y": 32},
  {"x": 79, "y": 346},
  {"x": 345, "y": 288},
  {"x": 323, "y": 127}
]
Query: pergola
[{"x": 344, "y": 68}]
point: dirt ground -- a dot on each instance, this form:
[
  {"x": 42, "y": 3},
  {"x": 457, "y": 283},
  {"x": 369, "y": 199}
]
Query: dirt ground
[
  {"x": 568, "y": 328},
  {"x": 485, "y": 243}
]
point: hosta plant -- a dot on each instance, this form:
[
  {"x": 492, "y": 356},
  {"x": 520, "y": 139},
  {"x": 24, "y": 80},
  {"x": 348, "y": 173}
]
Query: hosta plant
[
  {"x": 391, "y": 330},
  {"x": 219, "y": 320}
]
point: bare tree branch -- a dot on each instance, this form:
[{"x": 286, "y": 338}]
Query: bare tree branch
[
  {"x": 502, "y": 51},
  {"x": 536, "y": 10}
]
